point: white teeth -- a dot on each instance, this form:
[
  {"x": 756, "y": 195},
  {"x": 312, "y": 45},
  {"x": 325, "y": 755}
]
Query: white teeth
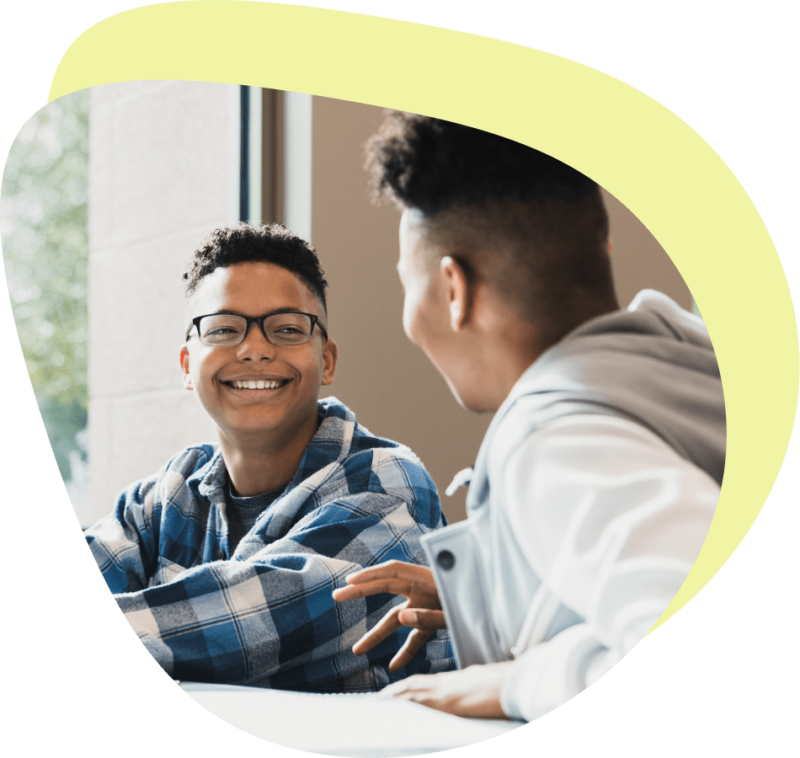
[{"x": 261, "y": 384}]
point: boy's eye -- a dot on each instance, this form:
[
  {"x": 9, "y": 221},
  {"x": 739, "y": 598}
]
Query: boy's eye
[{"x": 221, "y": 331}]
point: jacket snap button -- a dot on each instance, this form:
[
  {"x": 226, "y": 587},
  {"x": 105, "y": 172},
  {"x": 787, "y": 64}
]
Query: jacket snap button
[
  {"x": 220, "y": 555},
  {"x": 446, "y": 560}
]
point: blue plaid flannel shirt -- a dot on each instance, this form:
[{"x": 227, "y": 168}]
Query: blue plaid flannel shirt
[{"x": 264, "y": 616}]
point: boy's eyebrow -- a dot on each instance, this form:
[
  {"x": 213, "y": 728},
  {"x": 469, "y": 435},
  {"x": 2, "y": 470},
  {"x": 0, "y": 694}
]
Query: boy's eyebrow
[{"x": 287, "y": 309}]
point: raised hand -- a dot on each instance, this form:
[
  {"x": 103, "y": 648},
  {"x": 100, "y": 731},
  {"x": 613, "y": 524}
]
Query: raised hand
[{"x": 422, "y": 610}]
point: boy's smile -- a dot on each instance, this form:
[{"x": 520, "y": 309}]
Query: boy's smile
[{"x": 258, "y": 389}]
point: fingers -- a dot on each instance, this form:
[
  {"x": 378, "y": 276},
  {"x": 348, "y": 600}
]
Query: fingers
[
  {"x": 415, "y": 641},
  {"x": 397, "y": 578},
  {"x": 427, "y": 622},
  {"x": 414, "y": 688},
  {"x": 423, "y": 622},
  {"x": 386, "y": 626},
  {"x": 348, "y": 593},
  {"x": 393, "y": 577},
  {"x": 399, "y": 688},
  {"x": 408, "y": 572},
  {"x": 388, "y": 585},
  {"x": 420, "y": 618}
]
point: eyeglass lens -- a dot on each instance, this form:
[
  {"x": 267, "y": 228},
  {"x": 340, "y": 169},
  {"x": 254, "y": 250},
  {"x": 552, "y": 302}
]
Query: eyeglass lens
[{"x": 280, "y": 329}]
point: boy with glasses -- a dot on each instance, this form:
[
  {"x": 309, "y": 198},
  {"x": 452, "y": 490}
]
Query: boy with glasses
[
  {"x": 598, "y": 478},
  {"x": 225, "y": 560}
]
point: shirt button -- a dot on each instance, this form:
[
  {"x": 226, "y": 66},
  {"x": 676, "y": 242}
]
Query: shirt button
[
  {"x": 220, "y": 555},
  {"x": 446, "y": 560}
]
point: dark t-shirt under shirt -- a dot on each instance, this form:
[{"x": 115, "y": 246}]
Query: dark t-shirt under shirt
[{"x": 243, "y": 512}]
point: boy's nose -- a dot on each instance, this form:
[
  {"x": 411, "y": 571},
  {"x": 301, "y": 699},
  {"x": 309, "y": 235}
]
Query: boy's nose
[{"x": 255, "y": 345}]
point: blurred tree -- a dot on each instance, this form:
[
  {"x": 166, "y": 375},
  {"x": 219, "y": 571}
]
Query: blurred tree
[{"x": 44, "y": 226}]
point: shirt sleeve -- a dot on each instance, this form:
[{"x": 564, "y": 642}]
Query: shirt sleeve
[
  {"x": 269, "y": 619},
  {"x": 125, "y": 543},
  {"x": 612, "y": 519}
]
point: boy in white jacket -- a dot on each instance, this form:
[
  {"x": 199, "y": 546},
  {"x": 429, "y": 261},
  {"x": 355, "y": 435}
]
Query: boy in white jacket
[{"x": 598, "y": 478}]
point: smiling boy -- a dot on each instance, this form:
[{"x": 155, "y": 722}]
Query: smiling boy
[{"x": 225, "y": 560}]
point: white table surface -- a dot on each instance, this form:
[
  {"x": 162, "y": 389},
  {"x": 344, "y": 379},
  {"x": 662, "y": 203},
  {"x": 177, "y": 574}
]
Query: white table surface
[{"x": 361, "y": 726}]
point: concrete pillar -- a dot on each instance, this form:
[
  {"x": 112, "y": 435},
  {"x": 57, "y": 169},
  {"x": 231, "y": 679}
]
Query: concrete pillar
[{"x": 163, "y": 173}]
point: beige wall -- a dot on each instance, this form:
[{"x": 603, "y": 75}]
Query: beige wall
[
  {"x": 163, "y": 174},
  {"x": 638, "y": 260}
]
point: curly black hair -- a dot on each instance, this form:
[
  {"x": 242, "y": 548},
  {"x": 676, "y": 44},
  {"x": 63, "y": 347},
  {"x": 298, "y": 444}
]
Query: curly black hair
[
  {"x": 431, "y": 165},
  {"x": 529, "y": 226},
  {"x": 245, "y": 243}
]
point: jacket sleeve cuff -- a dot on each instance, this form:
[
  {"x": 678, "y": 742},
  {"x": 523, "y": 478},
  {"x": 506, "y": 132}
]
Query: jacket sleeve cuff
[{"x": 549, "y": 674}]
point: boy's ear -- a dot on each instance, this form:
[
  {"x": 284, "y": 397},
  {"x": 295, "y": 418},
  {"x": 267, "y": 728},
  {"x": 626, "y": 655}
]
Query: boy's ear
[
  {"x": 458, "y": 292},
  {"x": 330, "y": 355},
  {"x": 187, "y": 379}
]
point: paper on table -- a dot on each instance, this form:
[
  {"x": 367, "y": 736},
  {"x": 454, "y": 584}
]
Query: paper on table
[{"x": 361, "y": 726}]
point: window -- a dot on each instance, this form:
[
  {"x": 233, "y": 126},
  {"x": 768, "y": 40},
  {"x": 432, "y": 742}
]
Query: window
[{"x": 44, "y": 216}]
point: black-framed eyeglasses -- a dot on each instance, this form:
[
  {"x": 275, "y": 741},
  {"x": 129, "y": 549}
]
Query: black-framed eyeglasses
[{"x": 229, "y": 329}]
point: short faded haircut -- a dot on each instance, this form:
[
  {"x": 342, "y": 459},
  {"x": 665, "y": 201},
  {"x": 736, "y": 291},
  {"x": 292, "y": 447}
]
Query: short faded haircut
[{"x": 526, "y": 224}]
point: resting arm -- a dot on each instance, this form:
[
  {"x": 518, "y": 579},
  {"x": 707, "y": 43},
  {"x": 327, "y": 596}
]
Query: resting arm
[
  {"x": 612, "y": 519},
  {"x": 125, "y": 543},
  {"x": 270, "y": 620}
]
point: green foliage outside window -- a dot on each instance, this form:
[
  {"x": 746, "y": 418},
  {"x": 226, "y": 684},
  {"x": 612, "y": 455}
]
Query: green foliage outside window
[{"x": 44, "y": 217}]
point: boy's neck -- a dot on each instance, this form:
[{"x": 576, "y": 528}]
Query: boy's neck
[{"x": 257, "y": 464}]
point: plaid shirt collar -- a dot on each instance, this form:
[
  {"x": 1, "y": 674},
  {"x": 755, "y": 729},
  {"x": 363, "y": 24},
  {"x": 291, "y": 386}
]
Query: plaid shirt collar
[{"x": 330, "y": 444}]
